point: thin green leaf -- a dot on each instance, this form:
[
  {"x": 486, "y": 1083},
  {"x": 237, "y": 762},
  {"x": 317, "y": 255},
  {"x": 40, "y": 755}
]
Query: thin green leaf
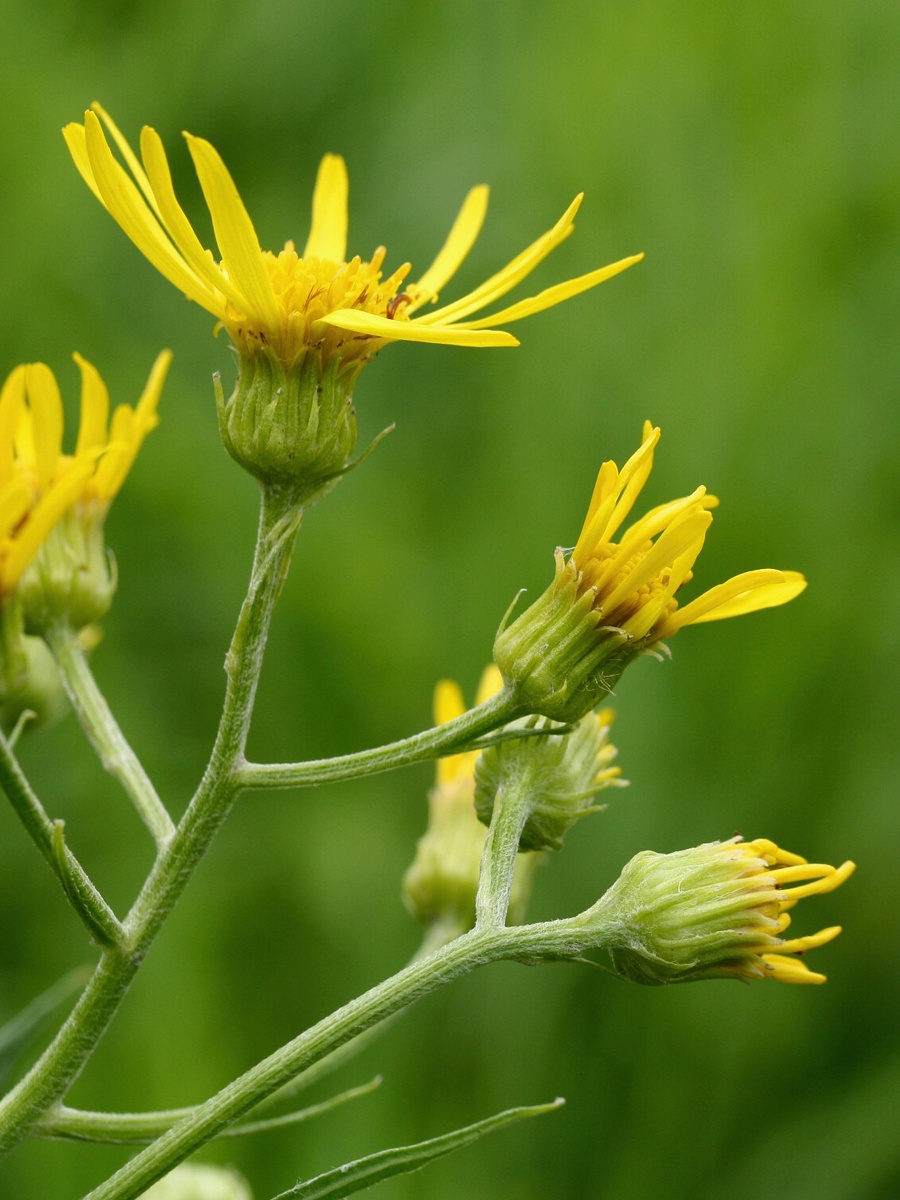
[
  {"x": 122, "y": 1129},
  {"x": 22, "y": 1029},
  {"x": 354, "y": 1176}
]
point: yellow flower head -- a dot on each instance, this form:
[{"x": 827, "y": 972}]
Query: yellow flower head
[
  {"x": 290, "y": 302},
  {"x": 39, "y": 484},
  {"x": 616, "y": 594},
  {"x": 634, "y": 581},
  {"x": 716, "y": 910}
]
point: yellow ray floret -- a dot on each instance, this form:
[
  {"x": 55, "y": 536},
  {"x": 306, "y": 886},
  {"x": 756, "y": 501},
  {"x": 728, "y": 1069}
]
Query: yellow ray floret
[
  {"x": 39, "y": 484},
  {"x": 448, "y": 705},
  {"x": 635, "y": 579},
  {"x": 289, "y": 301},
  {"x": 769, "y": 871}
]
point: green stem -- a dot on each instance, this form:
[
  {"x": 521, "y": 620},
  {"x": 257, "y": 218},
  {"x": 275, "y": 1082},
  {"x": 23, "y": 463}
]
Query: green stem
[
  {"x": 52, "y": 1075},
  {"x": 448, "y": 738},
  {"x": 498, "y": 860},
  {"x": 93, "y": 910},
  {"x": 107, "y": 738},
  {"x": 420, "y": 977}
]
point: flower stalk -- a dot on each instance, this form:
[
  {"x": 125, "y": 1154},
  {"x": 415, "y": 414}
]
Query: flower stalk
[{"x": 102, "y": 729}]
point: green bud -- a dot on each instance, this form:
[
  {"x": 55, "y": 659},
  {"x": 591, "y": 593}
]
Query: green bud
[
  {"x": 31, "y": 684},
  {"x": 555, "y": 776},
  {"x": 72, "y": 578},
  {"x": 291, "y": 425},
  {"x": 558, "y": 656},
  {"x": 189, "y": 1182},
  {"x": 716, "y": 910}
]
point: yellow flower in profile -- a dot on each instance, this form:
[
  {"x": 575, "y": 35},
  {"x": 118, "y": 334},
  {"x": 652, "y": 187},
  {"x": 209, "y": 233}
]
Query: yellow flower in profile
[
  {"x": 716, "y": 910},
  {"x": 616, "y": 594},
  {"x": 441, "y": 884},
  {"x": 43, "y": 489},
  {"x": 290, "y": 302}
]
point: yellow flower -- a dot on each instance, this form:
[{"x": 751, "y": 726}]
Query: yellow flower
[
  {"x": 441, "y": 884},
  {"x": 716, "y": 910},
  {"x": 634, "y": 581},
  {"x": 290, "y": 302},
  {"x": 40, "y": 485},
  {"x": 614, "y": 599}
]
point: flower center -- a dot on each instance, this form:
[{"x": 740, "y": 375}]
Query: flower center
[{"x": 308, "y": 289}]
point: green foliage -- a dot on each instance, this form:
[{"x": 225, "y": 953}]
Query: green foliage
[{"x": 374, "y": 1168}]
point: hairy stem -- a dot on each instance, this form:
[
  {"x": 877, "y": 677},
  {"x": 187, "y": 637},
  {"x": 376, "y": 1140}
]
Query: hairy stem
[
  {"x": 420, "y": 977},
  {"x": 448, "y": 738},
  {"x": 498, "y": 860},
  {"x": 52, "y": 1075},
  {"x": 106, "y": 737},
  {"x": 86, "y": 899}
]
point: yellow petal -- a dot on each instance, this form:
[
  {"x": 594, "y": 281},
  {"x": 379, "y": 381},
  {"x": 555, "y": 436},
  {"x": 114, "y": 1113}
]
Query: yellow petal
[
  {"x": 827, "y": 879},
  {"x": 448, "y": 705},
  {"x": 238, "y": 243},
  {"x": 768, "y": 850},
  {"x": 498, "y": 285},
  {"x": 555, "y": 295},
  {"x": 58, "y": 500},
  {"x": 75, "y": 140},
  {"x": 491, "y": 684},
  {"x": 46, "y": 408},
  {"x": 745, "y": 593},
  {"x": 460, "y": 241},
  {"x": 658, "y": 519},
  {"x": 371, "y": 325},
  {"x": 94, "y": 408},
  {"x": 328, "y": 232},
  {"x": 15, "y": 500},
  {"x": 801, "y": 944},
  {"x": 126, "y": 205},
  {"x": 145, "y": 413},
  {"x": 674, "y": 541},
  {"x": 129, "y": 428},
  {"x": 12, "y": 404},
  {"x": 784, "y": 969},
  {"x": 128, "y": 154},
  {"x": 448, "y": 701},
  {"x": 178, "y": 226},
  {"x": 615, "y": 493}
]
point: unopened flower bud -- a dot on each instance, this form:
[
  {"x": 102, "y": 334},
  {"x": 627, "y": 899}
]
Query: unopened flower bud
[
  {"x": 72, "y": 578},
  {"x": 555, "y": 776},
  {"x": 719, "y": 910},
  {"x": 31, "y": 683}
]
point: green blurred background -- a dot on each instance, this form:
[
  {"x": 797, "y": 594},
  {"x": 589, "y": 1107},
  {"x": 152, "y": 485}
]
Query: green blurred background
[{"x": 750, "y": 150}]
